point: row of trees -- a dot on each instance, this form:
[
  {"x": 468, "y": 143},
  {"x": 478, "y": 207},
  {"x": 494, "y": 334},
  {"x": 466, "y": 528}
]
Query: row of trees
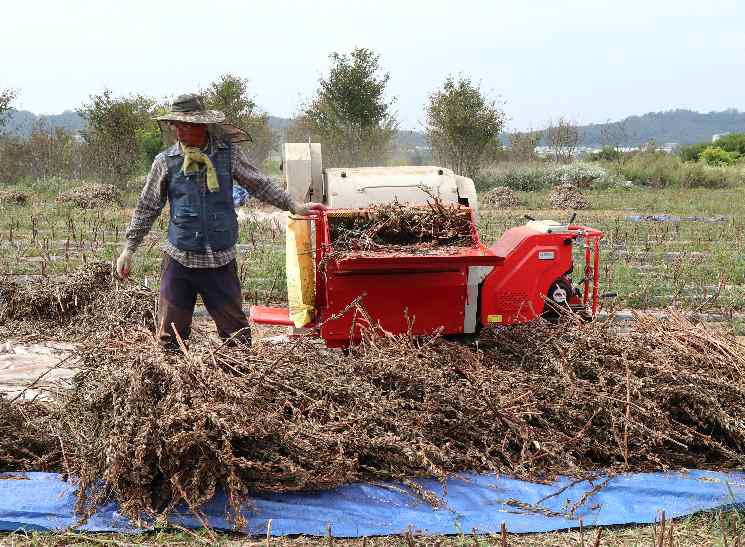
[
  {"x": 349, "y": 114},
  {"x": 121, "y": 138}
]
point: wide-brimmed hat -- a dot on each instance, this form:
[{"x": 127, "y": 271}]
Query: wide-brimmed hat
[{"x": 190, "y": 108}]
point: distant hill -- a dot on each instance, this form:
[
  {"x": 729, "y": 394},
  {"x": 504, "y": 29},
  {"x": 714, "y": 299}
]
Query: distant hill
[
  {"x": 679, "y": 126},
  {"x": 21, "y": 122}
]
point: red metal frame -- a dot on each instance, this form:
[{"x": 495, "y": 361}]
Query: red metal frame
[{"x": 401, "y": 292}]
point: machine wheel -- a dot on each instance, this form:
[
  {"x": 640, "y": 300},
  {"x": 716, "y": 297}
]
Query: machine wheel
[{"x": 557, "y": 300}]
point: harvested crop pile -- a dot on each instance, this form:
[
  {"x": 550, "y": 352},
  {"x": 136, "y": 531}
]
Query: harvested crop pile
[
  {"x": 85, "y": 302},
  {"x": 395, "y": 228},
  {"x": 567, "y": 196},
  {"x": 57, "y": 300},
  {"x": 13, "y": 197},
  {"x": 26, "y": 442},
  {"x": 91, "y": 195},
  {"x": 501, "y": 196},
  {"x": 534, "y": 401}
]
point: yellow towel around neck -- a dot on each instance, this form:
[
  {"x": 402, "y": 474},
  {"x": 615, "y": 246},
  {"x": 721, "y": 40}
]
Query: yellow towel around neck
[{"x": 194, "y": 156}]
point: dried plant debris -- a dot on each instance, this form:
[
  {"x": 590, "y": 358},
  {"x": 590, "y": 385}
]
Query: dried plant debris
[
  {"x": 13, "y": 197},
  {"x": 73, "y": 306},
  {"x": 27, "y": 440},
  {"x": 531, "y": 401},
  {"x": 567, "y": 196},
  {"x": 90, "y": 196},
  {"x": 397, "y": 228},
  {"x": 501, "y": 197}
]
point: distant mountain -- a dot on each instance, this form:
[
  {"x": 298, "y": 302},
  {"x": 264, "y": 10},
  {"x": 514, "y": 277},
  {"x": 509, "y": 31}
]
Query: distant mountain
[
  {"x": 678, "y": 126},
  {"x": 21, "y": 122},
  {"x": 405, "y": 139}
]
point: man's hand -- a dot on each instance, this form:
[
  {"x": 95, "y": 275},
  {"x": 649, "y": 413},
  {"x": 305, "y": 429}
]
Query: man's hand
[
  {"x": 305, "y": 209},
  {"x": 123, "y": 264}
]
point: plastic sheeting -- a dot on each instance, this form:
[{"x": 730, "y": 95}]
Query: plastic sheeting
[
  {"x": 672, "y": 218},
  {"x": 41, "y": 501}
]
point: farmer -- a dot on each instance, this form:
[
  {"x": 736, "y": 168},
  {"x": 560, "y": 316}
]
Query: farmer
[{"x": 196, "y": 176}]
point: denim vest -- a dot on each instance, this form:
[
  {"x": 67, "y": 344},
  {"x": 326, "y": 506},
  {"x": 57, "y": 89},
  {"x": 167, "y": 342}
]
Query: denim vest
[{"x": 200, "y": 218}]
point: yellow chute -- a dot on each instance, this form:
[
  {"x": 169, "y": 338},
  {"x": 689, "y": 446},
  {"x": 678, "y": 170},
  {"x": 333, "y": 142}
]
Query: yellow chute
[{"x": 300, "y": 271}]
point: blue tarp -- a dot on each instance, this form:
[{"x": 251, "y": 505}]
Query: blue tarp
[
  {"x": 42, "y": 501},
  {"x": 672, "y": 218},
  {"x": 240, "y": 195}
]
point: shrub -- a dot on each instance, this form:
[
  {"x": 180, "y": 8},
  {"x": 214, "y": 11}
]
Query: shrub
[
  {"x": 607, "y": 153},
  {"x": 111, "y": 133},
  {"x": 581, "y": 175},
  {"x": 734, "y": 142},
  {"x": 522, "y": 177},
  {"x": 699, "y": 175},
  {"x": 660, "y": 170},
  {"x": 692, "y": 152},
  {"x": 713, "y": 155}
]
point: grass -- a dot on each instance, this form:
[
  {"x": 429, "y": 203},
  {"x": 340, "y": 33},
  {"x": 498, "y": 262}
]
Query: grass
[
  {"x": 655, "y": 264},
  {"x": 48, "y": 238},
  {"x": 717, "y": 528}
]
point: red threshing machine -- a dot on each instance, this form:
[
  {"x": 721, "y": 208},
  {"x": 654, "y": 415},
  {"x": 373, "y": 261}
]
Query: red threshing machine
[{"x": 459, "y": 292}]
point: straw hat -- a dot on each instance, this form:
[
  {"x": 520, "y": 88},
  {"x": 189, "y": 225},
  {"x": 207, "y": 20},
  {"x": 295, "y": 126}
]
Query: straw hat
[{"x": 190, "y": 108}]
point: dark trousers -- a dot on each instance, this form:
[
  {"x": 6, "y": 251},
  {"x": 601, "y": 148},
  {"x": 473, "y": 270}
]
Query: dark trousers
[{"x": 220, "y": 290}]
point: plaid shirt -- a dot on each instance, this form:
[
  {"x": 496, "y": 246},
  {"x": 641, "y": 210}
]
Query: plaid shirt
[{"x": 155, "y": 195}]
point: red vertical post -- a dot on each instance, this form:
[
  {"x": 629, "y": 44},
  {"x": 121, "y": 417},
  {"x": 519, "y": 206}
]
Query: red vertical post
[
  {"x": 596, "y": 276},
  {"x": 586, "y": 293},
  {"x": 320, "y": 222}
]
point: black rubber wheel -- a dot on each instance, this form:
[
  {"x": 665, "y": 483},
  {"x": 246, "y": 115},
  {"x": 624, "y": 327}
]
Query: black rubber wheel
[{"x": 557, "y": 300}]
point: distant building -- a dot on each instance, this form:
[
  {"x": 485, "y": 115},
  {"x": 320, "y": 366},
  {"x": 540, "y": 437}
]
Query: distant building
[{"x": 715, "y": 137}]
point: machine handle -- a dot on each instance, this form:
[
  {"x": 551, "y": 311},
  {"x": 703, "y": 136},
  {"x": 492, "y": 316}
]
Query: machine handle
[
  {"x": 574, "y": 215},
  {"x": 361, "y": 189},
  {"x": 528, "y": 217}
]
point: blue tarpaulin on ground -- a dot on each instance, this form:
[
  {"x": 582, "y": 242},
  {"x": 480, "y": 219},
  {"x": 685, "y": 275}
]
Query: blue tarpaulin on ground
[{"x": 42, "y": 501}]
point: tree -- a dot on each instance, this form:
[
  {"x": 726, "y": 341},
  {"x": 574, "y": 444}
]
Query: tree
[
  {"x": 230, "y": 94},
  {"x": 7, "y": 96},
  {"x": 111, "y": 133},
  {"x": 614, "y": 136},
  {"x": 463, "y": 126},
  {"x": 349, "y": 114},
  {"x": 562, "y": 138},
  {"x": 523, "y": 144}
]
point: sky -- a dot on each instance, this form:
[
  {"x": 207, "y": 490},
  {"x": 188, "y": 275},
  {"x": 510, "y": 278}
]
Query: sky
[{"x": 588, "y": 61}]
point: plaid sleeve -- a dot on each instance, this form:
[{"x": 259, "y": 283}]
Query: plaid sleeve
[
  {"x": 152, "y": 200},
  {"x": 256, "y": 182}
]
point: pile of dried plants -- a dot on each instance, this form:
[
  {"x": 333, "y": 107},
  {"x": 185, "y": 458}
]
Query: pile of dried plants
[
  {"x": 395, "y": 228},
  {"x": 153, "y": 429},
  {"x": 501, "y": 197},
  {"x": 87, "y": 302},
  {"x": 13, "y": 197},
  {"x": 90, "y": 196},
  {"x": 27, "y": 443},
  {"x": 567, "y": 196},
  {"x": 532, "y": 401}
]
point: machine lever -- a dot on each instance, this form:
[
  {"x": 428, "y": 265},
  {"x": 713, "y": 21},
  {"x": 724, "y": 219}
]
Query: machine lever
[
  {"x": 528, "y": 217},
  {"x": 574, "y": 215}
]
